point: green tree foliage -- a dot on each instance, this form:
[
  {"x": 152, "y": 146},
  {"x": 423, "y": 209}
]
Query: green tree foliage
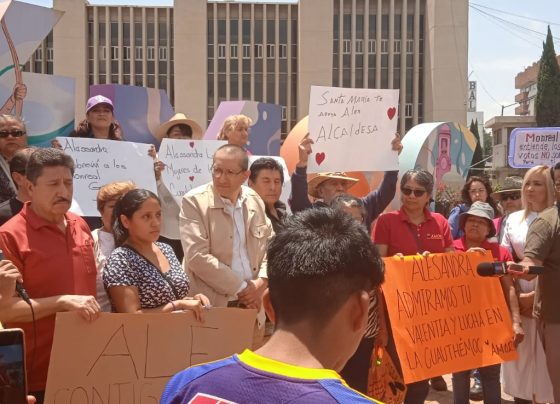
[
  {"x": 547, "y": 106},
  {"x": 477, "y": 165}
]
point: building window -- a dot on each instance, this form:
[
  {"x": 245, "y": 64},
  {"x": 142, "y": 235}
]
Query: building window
[
  {"x": 233, "y": 51},
  {"x": 39, "y": 54},
  {"x": 346, "y": 46},
  {"x": 371, "y": 45},
  {"x": 408, "y": 110},
  {"x": 246, "y": 51},
  {"x": 284, "y": 113},
  {"x": 359, "y": 46},
  {"x": 114, "y": 52},
  {"x": 384, "y": 45},
  {"x": 221, "y": 51},
  {"x": 102, "y": 53},
  {"x": 138, "y": 52},
  {"x": 162, "y": 50},
  {"x": 397, "y": 46},
  {"x": 283, "y": 51},
  {"x": 151, "y": 53},
  {"x": 410, "y": 46},
  {"x": 126, "y": 52},
  {"x": 50, "y": 54},
  {"x": 270, "y": 51},
  {"x": 258, "y": 51}
]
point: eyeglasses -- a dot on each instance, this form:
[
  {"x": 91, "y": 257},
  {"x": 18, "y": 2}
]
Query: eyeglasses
[
  {"x": 13, "y": 133},
  {"x": 218, "y": 172},
  {"x": 417, "y": 192},
  {"x": 513, "y": 197}
]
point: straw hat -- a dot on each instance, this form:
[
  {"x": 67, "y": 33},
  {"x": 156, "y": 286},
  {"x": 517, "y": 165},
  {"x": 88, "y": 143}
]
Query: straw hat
[
  {"x": 511, "y": 184},
  {"x": 479, "y": 209},
  {"x": 177, "y": 119},
  {"x": 314, "y": 182}
]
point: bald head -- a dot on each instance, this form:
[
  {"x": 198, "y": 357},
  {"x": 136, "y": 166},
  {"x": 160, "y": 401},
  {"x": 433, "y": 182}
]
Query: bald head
[{"x": 235, "y": 152}]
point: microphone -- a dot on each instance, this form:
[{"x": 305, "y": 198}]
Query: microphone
[
  {"x": 19, "y": 287},
  {"x": 500, "y": 268}
]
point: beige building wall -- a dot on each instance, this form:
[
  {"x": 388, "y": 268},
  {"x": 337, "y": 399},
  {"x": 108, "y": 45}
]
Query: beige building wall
[
  {"x": 190, "y": 65},
  {"x": 315, "y": 38},
  {"x": 70, "y": 50},
  {"x": 445, "y": 76}
]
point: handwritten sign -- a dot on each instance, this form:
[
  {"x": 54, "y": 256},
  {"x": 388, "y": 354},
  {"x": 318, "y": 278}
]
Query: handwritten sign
[
  {"x": 128, "y": 358},
  {"x": 287, "y": 186},
  {"x": 99, "y": 162},
  {"x": 445, "y": 318},
  {"x": 187, "y": 163},
  {"x": 352, "y": 129},
  {"x": 529, "y": 147}
]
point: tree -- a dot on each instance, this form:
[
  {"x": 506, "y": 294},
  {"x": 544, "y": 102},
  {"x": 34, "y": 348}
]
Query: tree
[
  {"x": 547, "y": 106},
  {"x": 477, "y": 164}
]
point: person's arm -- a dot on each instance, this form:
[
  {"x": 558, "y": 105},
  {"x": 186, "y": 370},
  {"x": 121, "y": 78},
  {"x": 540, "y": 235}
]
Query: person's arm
[
  {"x": 299, "y": 199},
  {"x": 196, "y": 244},
  {"x": 454, "y": 222},
  {"x": 538, "y": 245},
  {"x": 510, "y": 294},
  {"x": 377, "y": 200},
  {"x": 125, "y": 299}
]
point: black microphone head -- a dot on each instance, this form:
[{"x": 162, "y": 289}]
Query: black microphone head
[{"x": 486, "y": 269}]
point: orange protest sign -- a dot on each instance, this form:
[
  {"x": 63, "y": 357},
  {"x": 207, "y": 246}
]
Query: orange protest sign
[{"x": 445, "y": 317}]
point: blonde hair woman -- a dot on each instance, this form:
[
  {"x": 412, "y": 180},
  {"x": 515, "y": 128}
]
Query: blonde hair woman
[
  {"x": 527, "y": 378},
  {"x": 235, "y": 130}
]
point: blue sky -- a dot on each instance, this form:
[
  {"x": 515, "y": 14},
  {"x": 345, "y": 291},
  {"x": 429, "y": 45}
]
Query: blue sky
[{"x": 501, "y": 44}]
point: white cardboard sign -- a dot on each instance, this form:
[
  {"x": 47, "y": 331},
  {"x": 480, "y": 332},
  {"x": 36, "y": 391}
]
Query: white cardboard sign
[
  {"x": 99, "y": 162},
  {"x": 352, "y": 129},
  {"x": 529, "y": 147},
  {"x": 187, "y": 163}
]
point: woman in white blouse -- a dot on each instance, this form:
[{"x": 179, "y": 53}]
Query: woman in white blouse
[{"x": 527, "y": 379}]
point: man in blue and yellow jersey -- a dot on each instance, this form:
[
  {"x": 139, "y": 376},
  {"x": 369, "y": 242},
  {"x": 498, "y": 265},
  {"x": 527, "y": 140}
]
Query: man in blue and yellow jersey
[{"x": 322, "y": 269}]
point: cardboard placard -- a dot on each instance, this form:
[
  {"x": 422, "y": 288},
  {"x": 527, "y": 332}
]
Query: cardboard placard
[
  {"x": 188, "y": 163},
  {"x": 129, "y": 358},
  {"x": 352, "y": 129},
  {"x": 529, "y": 147},
  {"x": 446, "y": 318},
  {"x": 99, "y": 162}
]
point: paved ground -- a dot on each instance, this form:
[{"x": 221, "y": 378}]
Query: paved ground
[{"x": 446, "y": 397}]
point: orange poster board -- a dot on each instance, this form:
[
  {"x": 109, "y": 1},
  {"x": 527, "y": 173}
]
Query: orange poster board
[
  {"x": 128, "y": 358},
  {"x": 444, "y": 316}
]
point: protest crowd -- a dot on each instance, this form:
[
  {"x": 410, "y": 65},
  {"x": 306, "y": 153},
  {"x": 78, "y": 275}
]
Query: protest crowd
[{"x": 313, "y": 268}]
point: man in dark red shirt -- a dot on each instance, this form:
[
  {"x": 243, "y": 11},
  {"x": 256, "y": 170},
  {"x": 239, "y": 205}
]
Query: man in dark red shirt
[{"x": 53, "y": 249}]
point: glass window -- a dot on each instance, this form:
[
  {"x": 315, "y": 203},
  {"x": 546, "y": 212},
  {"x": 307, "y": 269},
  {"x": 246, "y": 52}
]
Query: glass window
[
  {"x": 221, "y": 51},
  {"x": 258, "y": 31},
  {"x": 150, "y": 53},
  {"x": 359, "y": 46},
  {"x": 114, "y": 52},
  {"x": 126, "y": 33},
  {"x": 246, "y": 24},
  {"x": 162, "y": 32},
  {"x": 233, "y": 88},
  {"x": 233, "y": 51},
  {"x": 162, "y": 53},
  {"x": 270, "y": 51},
  {"x": 150, "y": 37},
  {"x": 138, "y": 52},
  {"x": 270, "y": 31},
  {"x": 283, "y": 51},
  {"x": 283, "y": 30},
  {"x": 258, "y": 51},
  {"x": 114, "y": 33},
  {"x": 246, "y": 51},
  {"x": 221, "y": 31},
  {"x": 233, "y": 31}
]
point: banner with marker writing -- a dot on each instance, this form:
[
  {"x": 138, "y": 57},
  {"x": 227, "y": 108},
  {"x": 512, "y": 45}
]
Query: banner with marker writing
[
  {"x": 352, "y": 129},
  {"x": 99, "y": 162},
  {"x": 529, "y": 147},
  {"x": 129, "y": 358},
  {"x": 446, "y": 318},
  {"x": 188, "y": 163}
]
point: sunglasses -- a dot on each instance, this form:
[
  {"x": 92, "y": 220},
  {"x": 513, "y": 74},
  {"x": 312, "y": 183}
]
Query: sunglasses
[
  {"x": 13, "y": 133},
  {"x": 513, "y": 197},
  {"x": 417, "y": 192}
]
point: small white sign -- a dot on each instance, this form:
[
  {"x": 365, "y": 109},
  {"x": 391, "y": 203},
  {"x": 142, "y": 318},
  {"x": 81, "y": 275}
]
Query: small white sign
[
  {"x": 352, "y": 129},
  {"x": 188, "y": 163},
  {"x": 529, "y": 147},
  {"x": 99, "y": 162}
]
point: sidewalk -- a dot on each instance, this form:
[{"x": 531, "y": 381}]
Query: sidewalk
[{"x": 446, "y": 397}]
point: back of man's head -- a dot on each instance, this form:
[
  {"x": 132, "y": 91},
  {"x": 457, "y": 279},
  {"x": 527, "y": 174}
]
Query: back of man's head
[
  {"x": 18, "y": 163},
  {"x": 47, "y": 157},
  {"x": 319, "y": 259}
]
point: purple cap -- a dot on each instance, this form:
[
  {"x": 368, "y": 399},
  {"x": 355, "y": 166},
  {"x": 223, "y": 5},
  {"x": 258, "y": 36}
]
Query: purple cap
[{"x": 96, "y": 100}]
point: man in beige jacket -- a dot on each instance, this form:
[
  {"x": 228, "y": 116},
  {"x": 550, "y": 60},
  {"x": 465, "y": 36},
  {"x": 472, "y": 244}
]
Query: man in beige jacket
[{"x": 225, "y": 232}]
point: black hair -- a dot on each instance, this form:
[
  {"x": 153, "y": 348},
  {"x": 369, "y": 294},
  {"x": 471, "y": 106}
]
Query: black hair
[
  {"x": 234, "y": 149},
  {"x": 265, "y": 163},
  {"x": 422, "y": 177},
  {"x": 556, "y": 167},
  {"x": 47, "y": 157},
  {"x": 318, "y": 259},
  {"x": 185, "y": 129},
  {"x": 345, "y": 200},
  {"x": 466, "y": 196},
  {"x": 84, "y": 130},
  {"x": 127, "y": 205}
]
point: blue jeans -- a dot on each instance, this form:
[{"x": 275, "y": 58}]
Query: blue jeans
[{"x": 490, "y": 380}]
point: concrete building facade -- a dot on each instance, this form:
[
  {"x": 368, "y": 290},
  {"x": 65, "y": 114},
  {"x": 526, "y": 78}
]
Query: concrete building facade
[
  {"x": 526, "y": 83},
  {"x": 204, "y": 52}
]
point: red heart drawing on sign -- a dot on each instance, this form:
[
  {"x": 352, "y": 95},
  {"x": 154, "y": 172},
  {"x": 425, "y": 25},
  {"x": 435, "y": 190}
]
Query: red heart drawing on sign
[
  {"x": 191, "y": 144},
  {"x": 391, "y": 112},
  {"x": 320, "y": 157},
  {"x": 191, "y": 178}
]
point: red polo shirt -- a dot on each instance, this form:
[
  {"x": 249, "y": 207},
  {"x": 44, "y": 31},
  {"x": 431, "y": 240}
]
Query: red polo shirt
[
  {"x": 395, "y": 230},
  {"x": 51, "y": 263},
  {"x": 498, "y": 252}
]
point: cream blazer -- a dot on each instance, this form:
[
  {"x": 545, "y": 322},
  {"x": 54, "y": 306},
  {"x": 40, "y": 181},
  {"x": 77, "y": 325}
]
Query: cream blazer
[{"x": 207, "y": 238}]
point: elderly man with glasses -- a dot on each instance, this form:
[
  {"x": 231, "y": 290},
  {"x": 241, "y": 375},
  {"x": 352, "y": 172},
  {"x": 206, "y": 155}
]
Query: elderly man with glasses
[
  {"x": 13, "y": 137},
  {"x": 225, "y": 231}
]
